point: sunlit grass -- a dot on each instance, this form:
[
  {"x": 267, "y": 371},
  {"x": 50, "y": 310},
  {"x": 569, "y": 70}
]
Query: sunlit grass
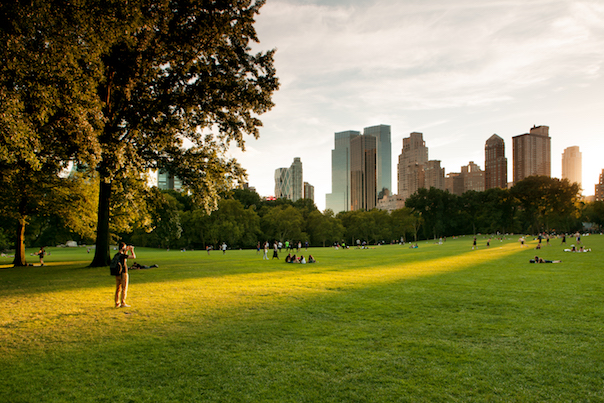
[{"x": 438, "y": 323}]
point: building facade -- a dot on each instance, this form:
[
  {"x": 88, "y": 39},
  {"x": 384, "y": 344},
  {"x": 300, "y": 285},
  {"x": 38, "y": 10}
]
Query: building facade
[
  {"x": 600, "y": 188},
  {"x": 495, "y": 163},
  {"x": 165, "y": 181},
  {"x": 571, "y": 165},
  {"x": 309, "y": 191},
  {"x": 390, "y": 202},
  {"x": 410, "y": 172},
  {"x": 289, "y": 183},
  {"x": 473, "y": 177},
  {"x": 382, "y": 135},
  {"x": 454, "y": 183},
  {"x": 532, "y": 153},
  {"x": 363, "y": 172},
  {"x": 339, "y": 198},
  {"x": 434, "y": 175}
]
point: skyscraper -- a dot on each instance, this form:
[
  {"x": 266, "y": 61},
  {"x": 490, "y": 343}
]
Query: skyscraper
[
  {"x": 339, "y": 198},
  {"x": 363, "y": 172},
  {"x": 410, "y": 165},
  {"x": 532, "y": 155},
  {"x": 495, "y": 163},
  {"x": 383, "y": 156},
  {"x": 473, "y": 177},
  {"x": 165, "y": 181},
  {"x": 288, "y": 181},
  {"x": 309, "y": 191},
  {"x": 599, "y": 188},
  {"x": 571, "y": 165},
  {"x": 434, "y": 175}
]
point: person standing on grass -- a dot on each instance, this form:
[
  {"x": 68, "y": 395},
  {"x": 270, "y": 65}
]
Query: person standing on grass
[
  {"x": 265, "y": 257},
  {"x": 41, "y": 254},
  {"x": 275, "y": 250},
  {"x": 121, "y": 280},
  {"x": 474, "y": 244}
]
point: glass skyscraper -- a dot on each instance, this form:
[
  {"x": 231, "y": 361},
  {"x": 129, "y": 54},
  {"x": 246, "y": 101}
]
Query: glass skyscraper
[
  {"x": 339, "y": 198},
  {"x": 384, "y": 157}
]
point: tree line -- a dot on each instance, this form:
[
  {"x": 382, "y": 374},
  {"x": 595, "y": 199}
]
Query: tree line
[{"x": 170, "y": 219}]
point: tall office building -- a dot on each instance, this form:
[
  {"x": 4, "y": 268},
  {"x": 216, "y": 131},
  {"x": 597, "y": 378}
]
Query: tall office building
[
  {"x": 571, "y": 165},
  {"x": 165, "y": 181},
  {"x": 363, "y": 172},
  {"x": 383, "y": 156},
  {"x": 532, "y": 153},
  {"x": 454, "y": 183},
  {"x": 282, "y": 183},
  {"x": 600, "y": 188},
  {"x": 434, "y": 175},
  {"x": 413, "y": 157},
  {"x": 288, "y": 181},
  {"x": 473, "y": 177},
  {"x": 495, "y": 163},
  {"x": 309, "y": 191},
  {"x": 339, "y": 198}
]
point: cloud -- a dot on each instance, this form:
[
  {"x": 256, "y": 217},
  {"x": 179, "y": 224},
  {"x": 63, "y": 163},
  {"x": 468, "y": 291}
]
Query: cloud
[{"x": 350, "y": 64}]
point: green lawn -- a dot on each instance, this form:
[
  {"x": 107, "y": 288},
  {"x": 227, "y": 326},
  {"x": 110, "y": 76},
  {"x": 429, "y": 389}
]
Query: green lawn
[{"x": 441, "y": 323}]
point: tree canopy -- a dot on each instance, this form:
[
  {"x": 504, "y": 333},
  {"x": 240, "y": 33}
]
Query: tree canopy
[{"x": 124, "y": 88}]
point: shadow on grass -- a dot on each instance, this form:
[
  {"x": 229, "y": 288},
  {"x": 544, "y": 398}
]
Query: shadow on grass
[{"x": 488, "y": 331}]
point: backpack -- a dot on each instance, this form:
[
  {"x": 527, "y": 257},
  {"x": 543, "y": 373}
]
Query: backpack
[{"x": 115, "y": 267}]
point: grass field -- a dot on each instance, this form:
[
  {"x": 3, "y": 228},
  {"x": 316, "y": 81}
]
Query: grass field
[{"x": 441, "y": 323}]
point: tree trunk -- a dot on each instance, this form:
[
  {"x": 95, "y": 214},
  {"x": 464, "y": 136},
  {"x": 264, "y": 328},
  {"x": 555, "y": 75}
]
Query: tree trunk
[
  {"x": 101, "y": 254},
  {"x": 20, "y": 244}
]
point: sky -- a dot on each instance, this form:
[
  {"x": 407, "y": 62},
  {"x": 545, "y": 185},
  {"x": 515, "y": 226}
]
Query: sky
[{"x": 456, "y": 71}]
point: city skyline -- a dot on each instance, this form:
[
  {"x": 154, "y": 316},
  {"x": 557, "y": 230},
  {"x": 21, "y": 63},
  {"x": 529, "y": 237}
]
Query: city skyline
[{"x": 457, "y": 72}]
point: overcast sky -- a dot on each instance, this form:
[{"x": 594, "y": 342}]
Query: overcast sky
[{"x": 457, "y": 71}]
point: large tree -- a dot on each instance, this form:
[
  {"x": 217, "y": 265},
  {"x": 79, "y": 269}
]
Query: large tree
[
  {"x": 48, "y": 104},
  {"x": 180, "y": 85}
]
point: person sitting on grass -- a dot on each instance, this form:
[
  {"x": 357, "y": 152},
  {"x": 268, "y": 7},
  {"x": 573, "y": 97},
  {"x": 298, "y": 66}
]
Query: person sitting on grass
[
  {"x": 311, "y": 259},
  {"x": 302, "y": 260},
  {"x": 288, "y": 258},
  {"x": 537, "y": 259}
]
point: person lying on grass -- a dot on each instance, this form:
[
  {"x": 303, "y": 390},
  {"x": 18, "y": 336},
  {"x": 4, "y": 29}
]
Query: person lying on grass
[
  {"x": 137, "y": 266},
  {"x": 537, "y": 259}
]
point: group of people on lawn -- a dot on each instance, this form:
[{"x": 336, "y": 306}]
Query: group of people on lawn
[{"x": 294, "y": 259}]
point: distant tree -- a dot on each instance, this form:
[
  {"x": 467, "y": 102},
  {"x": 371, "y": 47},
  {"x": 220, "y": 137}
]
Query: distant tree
[
  {"x": 165, "y": 228},
  {"x": 439, "y": 211},
  {"x": 282, "y": 223},
  {"x": 404, "y": 223},
  {"x": 196, "y": 228},
  {"x": 594, "y": 213},
  {"x": 324, "y": 227},
  {"x": 359, "y": 224},
  {"x": 381, "y": 230},
  {"x": 235, "y": 225},
  {"x": 496, "y": 211},
  {"x": 247, "y": 197},
  {"x": 546, "y": 203}
]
